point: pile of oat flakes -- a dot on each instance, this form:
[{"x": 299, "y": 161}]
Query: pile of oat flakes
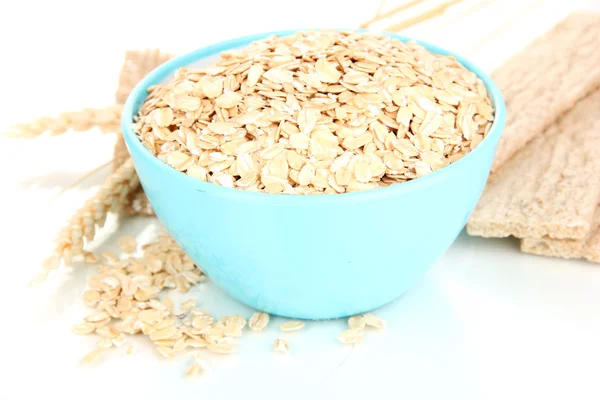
[
  {"x": 317, "y": 112},
  {"x": 128, "y": 298}
]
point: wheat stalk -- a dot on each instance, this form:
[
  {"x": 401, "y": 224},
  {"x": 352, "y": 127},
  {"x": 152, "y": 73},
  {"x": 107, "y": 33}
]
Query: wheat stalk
[
  {"x": 81, "y": 227},
  {"x": 119, "y": 186},
  {"x": 138, "y": 63},
  {"x": 383, "y": 15},
  {"x": 380, "y": 8},
  {"x": 107, "y": 119},
  {"x": 417, "y": 19}
]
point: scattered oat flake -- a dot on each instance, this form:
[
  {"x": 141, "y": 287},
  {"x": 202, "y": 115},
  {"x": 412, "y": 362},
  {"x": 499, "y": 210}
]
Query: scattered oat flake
[
  {"x": 38, "y": 279},
  {"x": 165, "y": 351},
  {"x": 281, "y": 345},
  {"x": 90, "y": 257},
  {"x": 351, "y": 336},
  {"x": 97, "y": 316},
  {"x": 104, "y": 343},
  {"x": 258, "y": 321},
  {"x": 129, "y": 350},
  {"x": 109, "y": 256},
  {"x": 236, "y": 320},
  {"x": 180, "y": 345},
  {"x": 107, "y": 331},
  {"x": 232, "y": 330},
  {"x": 127, "y": 244},
  {"x": 200, "y": 321},
  {"x": 191, "y": 303},
  {"x": 92, "y": 356},
  {"x": 91, "y": 297},
  {"x": 163, "y": 334},
  {"x": 83, "y": 328},
  {"x": 290, "y": 326},
  {"x": 168, "y": 302},
  {"x": 202, "y": 363},
  {"x": 356, "y": 322},
  {"x": 192, "y": 370},
  {"x": 119, "y": 340},
  {"x": 196, "y": 343},
  {"x": 221, "y": 348},
  {"x": 374, "y": 321},
  {"x": 150, "y": 316}
]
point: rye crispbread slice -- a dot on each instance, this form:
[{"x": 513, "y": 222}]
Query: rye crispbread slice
[
  {"x": 546, "y": 79},
  {"x": 587, "y": 248},
  {"x": 551, "y": 186},
  {"x": 138, "y": 63}
]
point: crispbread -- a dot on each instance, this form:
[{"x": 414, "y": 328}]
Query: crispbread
[
  {"x": 138, "y": 63},
  {"x": 551, "y": 186},
  {"x": 546, "y": 79},
  {"x": 588, "y": 248}
]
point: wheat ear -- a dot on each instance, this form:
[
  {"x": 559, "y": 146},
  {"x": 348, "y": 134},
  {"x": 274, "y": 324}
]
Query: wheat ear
[
  {"x": 81, "y": 227},
  {"x": 107, "y": 119}
]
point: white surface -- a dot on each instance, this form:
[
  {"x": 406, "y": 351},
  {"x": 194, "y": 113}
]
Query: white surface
[{"x": 487, "y": 322}]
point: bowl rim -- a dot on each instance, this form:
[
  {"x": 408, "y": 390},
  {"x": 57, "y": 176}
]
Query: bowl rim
[{"x": 165, "y": 70}]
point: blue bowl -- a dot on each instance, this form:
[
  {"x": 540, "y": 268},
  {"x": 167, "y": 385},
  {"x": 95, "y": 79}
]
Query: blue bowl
[{"x": 313, "y": 257}]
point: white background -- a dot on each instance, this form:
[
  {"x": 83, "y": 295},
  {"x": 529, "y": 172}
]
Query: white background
[{"x": 487, "y": 322}]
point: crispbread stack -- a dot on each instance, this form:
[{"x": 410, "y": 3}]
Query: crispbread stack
[
  {"x": 545, "y": 189},
  {"x": 547, "y": 194},
  {"x": 546, "y": 79},
  {"x": 588, "y": 247}
]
